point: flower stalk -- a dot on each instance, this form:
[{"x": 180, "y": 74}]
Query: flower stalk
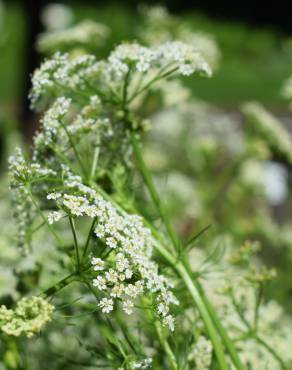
[{"x": 206, "y": 314}]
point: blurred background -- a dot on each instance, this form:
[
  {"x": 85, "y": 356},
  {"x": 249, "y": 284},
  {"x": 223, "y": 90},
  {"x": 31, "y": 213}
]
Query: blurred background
[
  {"x": 253, "y": 40},
  {"x": 230, "y": 161}
]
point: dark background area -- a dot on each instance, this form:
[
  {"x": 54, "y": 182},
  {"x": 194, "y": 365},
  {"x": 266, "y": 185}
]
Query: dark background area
[{"x": 276, "y": 14}]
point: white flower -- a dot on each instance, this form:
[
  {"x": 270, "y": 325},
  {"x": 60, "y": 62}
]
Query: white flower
[
  {"x": 201, "y": 354},
  {"x": 99, "y": 282},
  {"x": 111, "y": 242},
  {"x": 99, "y": 231},
  {"x": 122, "y": 262},
  {"x": 143, "y": 364},
  {"x": 183, "y": 56},
  {"x": 128, "y": 307},
  {"x": 106, "y": 305},
  {"x": 54, "y": 216},
  {"x": 117, "y": 291},
  {"x": 162, "y": 309},
  {"x": 131, "y": 54},
  {"x": 128, "y": 273},
  {"x": 86, "y": 33},
  {"x": 111, "y": 276},
  {"x": 98, "y": 264},
  {"x": 75, "y": 204},
  {"x": 54, "y": 196},
  {"x": 169, "y": 322}
]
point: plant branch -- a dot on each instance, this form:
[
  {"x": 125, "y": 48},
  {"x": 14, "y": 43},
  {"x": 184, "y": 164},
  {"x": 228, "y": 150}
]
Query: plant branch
[
  {"x": 72, "y": 224},
  {"x": 59, "y": 285},
  {"x": 179, "y": 267},
  {"x": 154, "y": 195},
  {"x": 74, "y": 148},
  {"x": 55, "y": 235},
  {"x": 272, "y": 351},
  {"x": 166, "y": 346},
  {"x": 88, "y": 239}
]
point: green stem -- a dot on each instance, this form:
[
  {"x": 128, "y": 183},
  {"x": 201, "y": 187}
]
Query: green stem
[
  {"x": 62, "y": 156},
  {"x": 88, "y": 240},
  {"x": 259, "y": 295},
  {"x": 59, "y": 285},
  {"x": 198, "y": 300},
  {"x": 74, "y": 149},
  {"x": 224, "y": 335},
  {"x": 272, "y": 351},
  {"x": 90, "y": 288},
  {"x": 125, "y": 88},
  {"x": 158, "y": 77},
  {"x": 178, "y": 266},
  {"x": 55, "y": 235},
  {"x": 239, "y": 311},
  {"x": 154, "y": 195},
  {"x": 94, "y": 162},
  {"x": 195, "y": 294},
  {"x": 72, "y": 224},
  {"x": 166, "y": 346},
  {"x": 65, "y": 281}
]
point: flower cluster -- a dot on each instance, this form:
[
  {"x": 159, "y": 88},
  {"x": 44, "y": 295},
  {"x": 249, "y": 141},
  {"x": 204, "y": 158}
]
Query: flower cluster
[
  {"x": 51, "y": 124},
  {"x": 143, "y": 364},
  {"x": 28, "y": 318},
  {"x": 85, "y": 76},
  {"x": 159, "y": 26},
  {"x": 87, "y": 35},
  {"x": 127, "y": 272},
  {"x": 22, "y": 173},
  {"x": 174, "y": 55},
  {"x": 201, "y": 354},
  {"x": 146, "y": 363},
  {"x": 237, "y": 294}
]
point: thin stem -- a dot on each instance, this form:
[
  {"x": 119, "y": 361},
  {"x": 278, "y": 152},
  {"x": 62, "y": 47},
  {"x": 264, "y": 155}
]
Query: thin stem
[
  {"x": 59, "y": 285},
  {"x": 74, "y": 148},
  {"x": 239, "y": 311},
  {"x": 272, "y": 351},
  {"x": 100, "y": 93},
  {"x": 179, "y": 266},
  {"x": 91, "y": 290},
  {"x": 55, "y": 235},
  {"x": 88, "y": 239},
  {"x": 72, "y": 224},
  {"x": 38, "y": 227},
  {"x": 215, "y": 339},
  {"x": 166, "y": 346},
  {"x": 207, "y": 314},
  {"x": 151, "y": 187},
  {"x": 259, "y": 295},
  {"x": 94, "y": 162},
  {"x": 224, "y": 335},
  {"x": 62, "y": 156},
  {"x": 158, "y": 77},
  {"x": 125, "y": 87}
]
